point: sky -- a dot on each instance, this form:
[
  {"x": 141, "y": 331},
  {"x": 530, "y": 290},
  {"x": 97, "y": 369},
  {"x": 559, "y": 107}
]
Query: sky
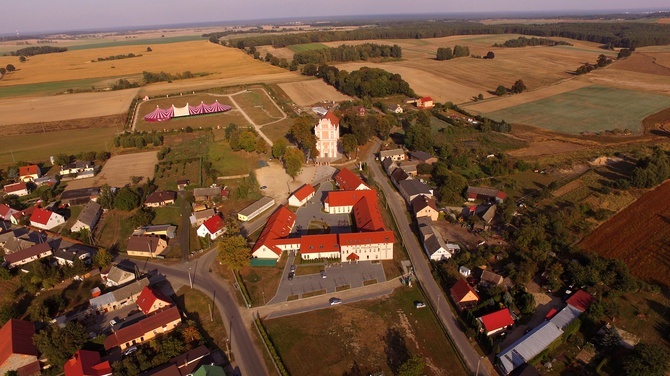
[{"x": 63, "y": 15}]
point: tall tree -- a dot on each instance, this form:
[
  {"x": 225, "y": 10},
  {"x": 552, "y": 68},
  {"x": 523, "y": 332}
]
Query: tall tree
[
  {"x": 301, "y": 131},
  {"x": 349, "y": 144},
  {"x": 234, "y": 252},
  {"x": 279, "y": 148},
  {"x": 102, "y": 258},
  {"x": 444, "y": 53},
  {"x": 10, "y": 68},
  {"x": 647, "y": 360},
  {"x": 59, "y": 344},
  {"x": 518, "y": 87},
  {"x": 293, "y": 160}
]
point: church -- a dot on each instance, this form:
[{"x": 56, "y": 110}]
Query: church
[{"x": 328, "y": 138}]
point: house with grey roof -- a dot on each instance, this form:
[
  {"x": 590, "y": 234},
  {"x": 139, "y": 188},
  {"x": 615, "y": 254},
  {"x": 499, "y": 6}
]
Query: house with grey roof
[
  {"x": 389, "y": 165},
  {"x": 67, "y": 256},
  {"x": 120, "y": 297},
  {"x": 394, "y": 154},
  {"x": 411, "y": 189},
  {"x": 88, "y": 217},
  {"x": 199, "y": 217},
  {"x": 118, "y": 276}
]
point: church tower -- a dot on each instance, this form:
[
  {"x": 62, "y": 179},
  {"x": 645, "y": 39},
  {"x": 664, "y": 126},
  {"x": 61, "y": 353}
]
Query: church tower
[{"x": 328, "y": 136}]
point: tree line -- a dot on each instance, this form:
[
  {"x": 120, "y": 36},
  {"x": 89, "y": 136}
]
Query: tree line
[
  {"x": 117, "y": 57},
  {"x": 138, "y": 140},
  {"x": 348, "y": 53},
  {"x": 603, "y": 61},
  {"x": 364, "y": 82},
  {"x": 37, "y": 50},
  {"x": 524, "y": 42},
  {"x": 622, "y": 34},
  {"x": 448, "y": 54}
]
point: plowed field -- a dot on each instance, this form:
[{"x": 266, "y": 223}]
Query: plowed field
[{"x": 639, "y": 235}]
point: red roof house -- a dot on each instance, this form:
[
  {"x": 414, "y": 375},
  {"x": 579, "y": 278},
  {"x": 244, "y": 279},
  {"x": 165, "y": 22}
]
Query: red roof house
[
  {"x": 144, "y": 330},
  {"x": 87, "y": 363},
  {"x": 425, "y": 102},
  {"x": 300, "y": 197},
  {"x": 6, "y": 212},
  {"x": 349, "y": 181},
  {"x": 319, "y": 246},
  {"x": 19, "y": 189},
  {"x": 151, "y": 300},
  {"x": 463, "y": 295},
  {"x": 28, "y": 173},
  {"x": 45, "y": 219},
  {"x": 213, "y": 227},
  {"x": 344, "y": 201},
  {"x": 581, "y": 300},
  {"x": 496, "y": 321},
  {"x": 276, "y": 229},
  {"x": 17, "y": 351}
]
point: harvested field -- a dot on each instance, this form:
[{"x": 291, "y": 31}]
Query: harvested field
[
  {"x": 645, "y": 63},
  {"x": 629, "y": 80},
  {"x": 546, "y": 148},
  {"x": 638, "y": 235},
  {"x": 117, "y": 170},
  {"x": 306, "y": 93},
  {"x": 111, "y": 121},
  {"x": 590, "y": 109},
  {"x": 64, "y": 107},
  {"x": 39, "y": 146},
  {"x": 196, "y": 56}
]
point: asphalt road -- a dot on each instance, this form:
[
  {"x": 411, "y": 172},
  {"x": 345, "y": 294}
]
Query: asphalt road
[
  {"x": 246, "y": 355},
  {"x": 184, "y": 227},
  {"x": 423, "y": 273}
]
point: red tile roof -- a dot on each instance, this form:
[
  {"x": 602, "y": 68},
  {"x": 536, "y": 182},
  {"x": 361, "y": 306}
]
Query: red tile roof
[
  {"x": 367, "y": 215},
  {"x": 86, "y": 363},
  {"x": 460, "y": 289},
  {"x": 319, "y": 244},
  {"x": 426, "y": 99},
  {"x": 214, "y": 224},
  {"x": 352, "y": 256},
  {"x": 146, "y": 325},
  {"x": 362, "y": 238},
  {"x": 333, "y": 119},
  {"x": 278, "y": 226},
  {"x": 581, "y": 300},
  {"x": 497, "y": 320},
  {"x": 29, "y": 170},
  {"x": 6, "y": 211},
  {"x": 347, "y": 180},
  {"x": 148, "y": 297},
  {"x": 40, "y": 216},
  {"x": 349, "y": 198},
  {"x": 303, "y": 192},
  {"x": 10, "y": 188},
  {"x": 17, "y": 338}
]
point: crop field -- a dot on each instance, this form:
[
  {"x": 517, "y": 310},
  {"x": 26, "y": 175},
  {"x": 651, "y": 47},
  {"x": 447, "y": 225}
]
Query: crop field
[
  {"x": 638, "y": 235},
  {"x": 258, "y": 106},
  {"x": 305, "y": 93},
  {"x": 39, "y": 146},
  {"x": 364, "y": 337},
  {"x": 117, "y": 170},
  {"x": 307, "y": 47},
  {"x": 590, "y": 109}
]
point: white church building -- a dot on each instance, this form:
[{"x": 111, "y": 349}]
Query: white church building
[{"x": 328, "y": 138}]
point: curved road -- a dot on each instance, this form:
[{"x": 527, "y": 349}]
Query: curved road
[
  {"x": 424, "y": 275},
  {"x": 247, "y": 357}
]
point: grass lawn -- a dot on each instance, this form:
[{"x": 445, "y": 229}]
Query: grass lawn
[
  {"x": 228, "y": 162},
  {"x": 167, "y": 176},
  {"x": 258, "y": 106},
  {"x": 593, "y": 109},
  {"x": 196, "y": 307},
  {"x": 114, "y": 228},
  {"x": 379, "y": 335},
  {"x": 39, "y": 146},
  {"x": 55, "y": 87},
  {"x": 262, "y": 281},
  {"x": 74, "y": 213},
  {"x": 305, "y": 269},
  {"x": 278, "y": 130},
  {"x": 167, "y": 215},
  {"x": 307, "y": 47}
]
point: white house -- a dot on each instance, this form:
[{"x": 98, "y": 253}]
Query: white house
[
  {"x": 348, "y": 181},
  {"x": 76, "y": 167},
  {"x": 88, "y": 217},
  {"x": 19, "y": 189},
  {"x": 301, "y": 196},
  {"x": 396, "y": 110},
  {"x": 45, "y": 219},
  {"x": 27, "y": 255},
  {"x": 366, "y": 246},
  {"x": 465, "y": 271},
  {"x": 253, "y": 210},
  {"x": 436, "y": 249},
  {"x": 213, "y": 228},
  {"x": 395, "y": 155},
  {"x": 29, "y": 173}
]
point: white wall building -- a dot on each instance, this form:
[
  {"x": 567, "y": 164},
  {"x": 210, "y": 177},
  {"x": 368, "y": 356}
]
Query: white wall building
[{"x": 328, "y": 136}]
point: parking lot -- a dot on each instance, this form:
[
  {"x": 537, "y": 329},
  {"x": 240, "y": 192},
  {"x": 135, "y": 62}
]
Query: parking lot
[
  {"x": 313, "y": 211},
  {"x": 340, "y": 274}
]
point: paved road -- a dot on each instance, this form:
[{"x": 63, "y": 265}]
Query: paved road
[
  {"x": 247, "y": 356},
  {"x": 422, "y": 270},
  {"x": 185, "y": 227}
]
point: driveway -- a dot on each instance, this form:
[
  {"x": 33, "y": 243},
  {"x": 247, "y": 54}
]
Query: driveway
[
  {"x": 313, "y": 211},
  {"x": 337, "y": 275}
]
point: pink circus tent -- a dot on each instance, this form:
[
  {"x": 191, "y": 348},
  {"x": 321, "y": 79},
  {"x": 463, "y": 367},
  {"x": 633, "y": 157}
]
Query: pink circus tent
[{"x": 162, "y": 115}]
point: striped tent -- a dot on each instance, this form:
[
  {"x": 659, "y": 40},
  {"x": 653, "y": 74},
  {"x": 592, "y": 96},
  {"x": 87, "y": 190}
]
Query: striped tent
[{"x": 159, "y": 115}]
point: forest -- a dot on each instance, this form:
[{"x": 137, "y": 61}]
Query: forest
[
  {"x": 348, "y": 53},
  {"x": 621, "y": 34},
  {"x": 37, "y": 50},
  {"x": 523, "y": 42}
]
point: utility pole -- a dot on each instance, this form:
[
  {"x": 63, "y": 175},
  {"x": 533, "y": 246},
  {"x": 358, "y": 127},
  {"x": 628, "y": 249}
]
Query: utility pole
[{"x": 190, "y": 280}]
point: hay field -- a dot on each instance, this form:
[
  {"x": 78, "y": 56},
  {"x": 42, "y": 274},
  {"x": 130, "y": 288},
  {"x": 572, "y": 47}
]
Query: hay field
[
  {"x": 117, "y": 171},
  {"x": 593, "y": 109},
  {"x": 305, "y": 93},
  {"x": 196, "y": 56},
  {"x": 638, "y": 236},
  {"x": 651, "y": 63},
  {"x": 64, "y": 107},
  {"x": 460, "y": 79}
]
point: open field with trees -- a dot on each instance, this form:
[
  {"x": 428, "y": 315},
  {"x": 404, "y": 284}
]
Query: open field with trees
[
  {"x": 589, "y": 109},
  {"x": 305, "y": 93},
  {"x": 638, "y": 236},
  {"x": 365, "y": 337}
]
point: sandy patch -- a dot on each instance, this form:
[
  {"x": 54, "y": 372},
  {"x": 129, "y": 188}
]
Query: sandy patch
[
  {"x": 65, "y": 107},
  {"x": 118, "y": 170},
  {"x": 306, "y": 93}
]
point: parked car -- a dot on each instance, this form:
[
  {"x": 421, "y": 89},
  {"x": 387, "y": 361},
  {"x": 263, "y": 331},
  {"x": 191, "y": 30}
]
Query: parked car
[
  {"x": 264, "y": 187},
  {"x": 290, "y": 276},
  {"x": 130, "y": 350},
  {"x": 323, "y": 274},
  {"x": 420, "y": 305},
  {"x": 335, "y": 301},
  {"x": 112, "y": 323}
]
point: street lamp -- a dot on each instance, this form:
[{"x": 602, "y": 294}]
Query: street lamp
[
  {"x": 478, "y": 362},
  {"x": 190, "y": 281}
]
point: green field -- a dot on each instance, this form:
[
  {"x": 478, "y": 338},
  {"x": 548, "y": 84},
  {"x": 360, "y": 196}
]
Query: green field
[
  {"x": 135, "y": 42},
  {"x": 590, "y": 109},
  {"x": 307, "y": 47},
  {"x": 258, "y": 106},
  {"x": 277, "y": 130},
  {"x": 39, "y": 146},
  {"x": 57, "y": 87},
  {"x": 373, "y": 335},
  {"x": 228, "y": 162}
]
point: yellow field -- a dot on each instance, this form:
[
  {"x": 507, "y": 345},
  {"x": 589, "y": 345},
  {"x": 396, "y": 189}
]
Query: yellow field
[
  {"x": 306, "y": 93},
  {"x": 197, "y": 57}
]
